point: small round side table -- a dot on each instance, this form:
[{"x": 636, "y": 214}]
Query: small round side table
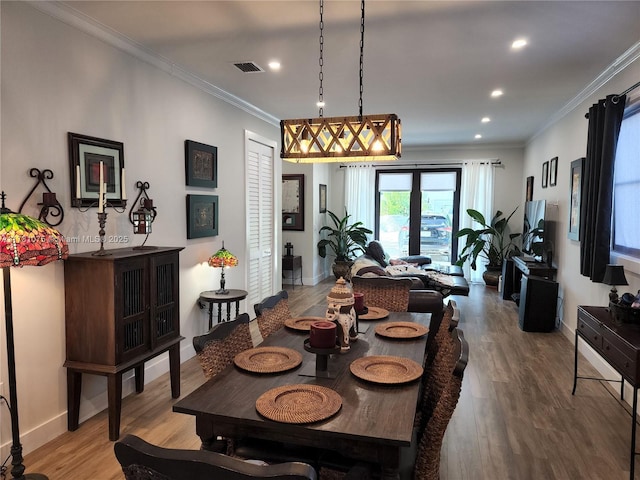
[{"x": 211, "y": 297}]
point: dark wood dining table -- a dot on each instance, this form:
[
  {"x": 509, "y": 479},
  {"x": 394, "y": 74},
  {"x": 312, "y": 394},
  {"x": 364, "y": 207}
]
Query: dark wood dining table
[{"x": 374, "y": 423}]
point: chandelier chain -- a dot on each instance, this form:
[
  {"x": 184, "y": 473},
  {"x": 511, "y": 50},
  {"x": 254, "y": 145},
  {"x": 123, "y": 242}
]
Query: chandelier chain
[
  {"x": 321, "y": 62},
  {"x": 361, "y": 55}
]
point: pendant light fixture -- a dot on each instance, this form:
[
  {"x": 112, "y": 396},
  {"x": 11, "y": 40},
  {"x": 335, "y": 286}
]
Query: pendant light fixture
[{"x": 363, "y": 138}]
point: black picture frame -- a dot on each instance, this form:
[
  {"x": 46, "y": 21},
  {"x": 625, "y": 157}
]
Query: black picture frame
[
  {"x": 575, "y": 198},
  {"x": 201, "y": 164},
  {"x": 553, "y": 171},
  {"x": 529, "y": 196},
  {"x": 202, "y": 216},
  {"x": 322, "y": 195},
  {"x": 293, "y": 202},
  {"x": 545, "y": 174},
  {"x": 85, "y": 155}
]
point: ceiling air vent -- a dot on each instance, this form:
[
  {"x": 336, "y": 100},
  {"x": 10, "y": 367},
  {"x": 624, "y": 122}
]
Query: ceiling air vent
[{"x": 248, "y": 67}]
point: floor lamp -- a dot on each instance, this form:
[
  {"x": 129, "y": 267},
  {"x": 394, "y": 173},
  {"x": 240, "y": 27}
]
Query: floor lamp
[{"x": 23, "y": 241}]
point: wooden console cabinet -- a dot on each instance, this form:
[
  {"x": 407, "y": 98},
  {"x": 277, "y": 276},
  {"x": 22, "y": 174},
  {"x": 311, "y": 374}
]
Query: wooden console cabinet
[{"x": 122, "y": 309}]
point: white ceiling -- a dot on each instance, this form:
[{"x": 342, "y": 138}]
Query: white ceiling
[{"x": 432, "y": 63}]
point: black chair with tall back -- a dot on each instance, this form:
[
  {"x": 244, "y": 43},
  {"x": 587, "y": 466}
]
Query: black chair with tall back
[
  {"x": 224, "y": 341},
  {"x": 141, "y": 460},
  {"x": 272, "y": 312}
]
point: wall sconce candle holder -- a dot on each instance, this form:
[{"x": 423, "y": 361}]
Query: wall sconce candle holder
[
  {"x": 143, "y": 217},
  {"x": 50, "y": 205}
]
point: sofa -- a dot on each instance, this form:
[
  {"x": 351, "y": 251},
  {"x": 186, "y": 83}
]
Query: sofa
[{"x": 419, "y": 269}]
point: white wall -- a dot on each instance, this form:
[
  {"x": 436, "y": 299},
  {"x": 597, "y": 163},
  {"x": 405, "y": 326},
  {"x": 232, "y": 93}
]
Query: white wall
[
  {"x": 57, "y": 79},
  {"x": 567, "y": 139}
]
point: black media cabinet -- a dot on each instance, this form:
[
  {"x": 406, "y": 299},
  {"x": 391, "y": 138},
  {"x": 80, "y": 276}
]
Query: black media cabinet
[{"x": 532, "y": 286}]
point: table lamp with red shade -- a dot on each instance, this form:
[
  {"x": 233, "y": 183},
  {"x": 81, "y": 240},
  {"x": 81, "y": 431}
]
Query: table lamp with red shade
[{"x": 223, "y": 258}]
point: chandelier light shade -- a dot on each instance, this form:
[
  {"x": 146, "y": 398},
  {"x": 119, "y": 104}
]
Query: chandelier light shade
[
  {"x": 362, "y": 138},
  {"x": 23, "y": 241},
  {"x": 223, "y": 258},
  {"x": 341, "y": 139}
]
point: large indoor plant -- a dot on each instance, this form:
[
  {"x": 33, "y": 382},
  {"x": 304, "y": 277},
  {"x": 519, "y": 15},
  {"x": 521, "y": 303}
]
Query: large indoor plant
[
  {"x": 345, "y": 240},
  {"x": 493, "y": 241}
]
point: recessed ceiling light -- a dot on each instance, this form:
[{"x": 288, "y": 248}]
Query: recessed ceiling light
[
  {"x": 485, "y": 120},
  {"x": 497, "y": 93},
  {"x": 478, "y": 136},
  {"x": 519, "y": 43},
  {"x": 274, "y": 65}
]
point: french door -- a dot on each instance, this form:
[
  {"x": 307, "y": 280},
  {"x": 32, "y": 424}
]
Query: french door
[{"x": 417, "y": 212}]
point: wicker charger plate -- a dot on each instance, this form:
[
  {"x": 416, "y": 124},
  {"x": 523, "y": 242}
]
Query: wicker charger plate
[
  {"x": 375, "y": 313},
  {"x": 386, "y": 369},
  {"x": 401, "y": 330},
  {"x": 302, "y": 323},
  {"x": 299, "y": 403},
  {"x": 268, "y": 359}
]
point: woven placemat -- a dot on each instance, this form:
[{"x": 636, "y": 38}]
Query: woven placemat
[
  {"x": 299, "y": 403},
  {"x": 268, "y": 359},
  {"x": 302, "y": 323},
  {"x": 374, "y": 313},
  {"x": 385, "y": 369},
  {"x": 401, "y": 330}
]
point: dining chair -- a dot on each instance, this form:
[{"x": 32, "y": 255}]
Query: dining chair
[
  {"x": 427, "y": 463},
  {"x": 384, "y": 292},
  {"x": 272, "y": 312},
  {"x": 216, "y": 349},
  {"x": 141, "y": 460}
]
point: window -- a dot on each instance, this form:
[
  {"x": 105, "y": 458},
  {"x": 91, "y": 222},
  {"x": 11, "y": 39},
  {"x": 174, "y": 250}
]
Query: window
[
  {"x": 417, "y": 212},
  {"x": 626, "y": 185}
]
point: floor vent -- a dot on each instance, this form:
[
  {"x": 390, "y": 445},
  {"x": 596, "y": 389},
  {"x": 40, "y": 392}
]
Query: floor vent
[{"x": 248, "y": 67}]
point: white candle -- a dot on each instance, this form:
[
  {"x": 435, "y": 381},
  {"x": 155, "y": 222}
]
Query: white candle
[
  {"x": 122, "y": 182},
  {"x": 101, "y": 194},
  {"x": 78, "y": 182}
]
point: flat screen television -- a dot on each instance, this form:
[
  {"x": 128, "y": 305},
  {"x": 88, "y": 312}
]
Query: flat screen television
[{"x": 533, "y": 230}]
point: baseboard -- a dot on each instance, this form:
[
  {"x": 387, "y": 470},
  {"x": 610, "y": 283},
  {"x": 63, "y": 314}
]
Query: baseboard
[{"x": 52, "y": 428}]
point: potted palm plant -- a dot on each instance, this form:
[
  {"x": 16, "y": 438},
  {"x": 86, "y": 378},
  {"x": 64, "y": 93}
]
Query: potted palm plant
[
  {"x": 492, "y": 242},
  {"x": 345, "y": 240}
]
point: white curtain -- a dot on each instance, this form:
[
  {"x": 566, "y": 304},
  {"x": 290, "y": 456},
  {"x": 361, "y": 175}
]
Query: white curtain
[
  {"x": 477, "y": 193},
  {"x": 359, "y": 194}
]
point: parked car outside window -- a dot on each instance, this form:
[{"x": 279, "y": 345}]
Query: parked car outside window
[{"x": 434, "y": 230}]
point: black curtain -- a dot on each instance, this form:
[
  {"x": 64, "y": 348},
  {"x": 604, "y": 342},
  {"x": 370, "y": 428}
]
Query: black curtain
[{"x": 605, "y": 119}]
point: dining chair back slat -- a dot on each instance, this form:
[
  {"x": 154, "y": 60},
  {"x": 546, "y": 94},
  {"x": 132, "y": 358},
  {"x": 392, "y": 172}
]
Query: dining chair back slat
[
  {"x": 384, "y": 292},
  {"x": 272, "y": 312},
  {"x": 141, "y": 460},
  {"x": 217, "y": 348}
]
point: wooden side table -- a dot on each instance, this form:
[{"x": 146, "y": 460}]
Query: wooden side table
[
  {"x": 290, "y": 263},
  {"x": 211, "y": 297}
]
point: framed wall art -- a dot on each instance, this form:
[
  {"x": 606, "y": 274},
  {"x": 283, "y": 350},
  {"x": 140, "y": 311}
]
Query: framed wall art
[
  {"x": 202, "y": 216},
  {"x": 201, "y": 164},
  {"x": 545, "y": 174},
  {"x": 86, "y": 156},
  {"x": 529, "y": 196},
  {"x": 553, "y": 172},
  {"x": 293, "y": 202},
  {"x": 575, "y": 198},
  {"x": 323, "y": 198}
]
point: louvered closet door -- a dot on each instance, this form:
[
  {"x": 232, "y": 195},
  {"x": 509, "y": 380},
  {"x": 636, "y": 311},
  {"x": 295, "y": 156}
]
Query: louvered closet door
[{"x": 261, "y": 221}]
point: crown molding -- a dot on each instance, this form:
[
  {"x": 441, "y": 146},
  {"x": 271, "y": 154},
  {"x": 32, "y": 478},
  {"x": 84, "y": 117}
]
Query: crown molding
[
  {"x": 86, "y": 24},
  {"x": 622, "y": 62}
]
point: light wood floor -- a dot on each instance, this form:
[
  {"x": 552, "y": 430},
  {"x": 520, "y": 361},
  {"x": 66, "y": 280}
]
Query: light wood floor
[{"x": 516, "y": 418}]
